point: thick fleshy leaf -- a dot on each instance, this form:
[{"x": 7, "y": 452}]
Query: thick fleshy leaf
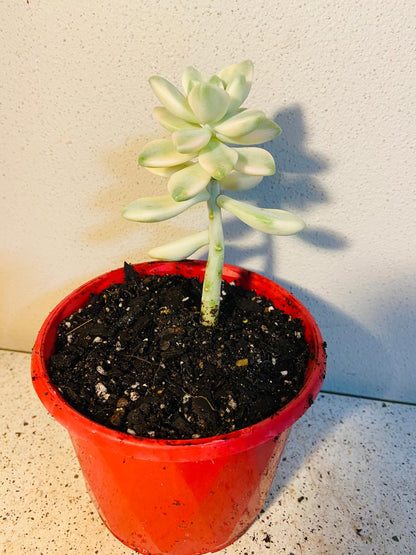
[
  {"x": 229, "y": 73},
  {"x": 191, "y": 140},
  {"x": 217, "y": 159},
  {"x": 190, "y": 77},
  {"x": 242, "y": 123},
  {"x": 254, "y": 161},
  {"x": 171, "y": 98},
  {"x": 208, "y": 102},
  {"x": 236, "y": 181},
  {"x": 162, "y": 153},
  {"x": 157, "y": 209},
  {"x": 265, "y": 131},
  {"x": 167, "y": 172},
  {"x": 273, "y": 221},
  {"x": 215, "y": 80},
  {"x": 238, "y": 91},
  {"x": 181, "y": 248},
  {"x": 188, "y": 182},
  {"x": 169, "y": 121}
]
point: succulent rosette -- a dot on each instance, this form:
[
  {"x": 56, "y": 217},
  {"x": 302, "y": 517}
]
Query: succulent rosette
[
  {"x": 199, "y": 163},
  {"x": 201, "y": 122}
]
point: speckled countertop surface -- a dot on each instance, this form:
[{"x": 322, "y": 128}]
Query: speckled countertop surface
[{"x": 346, "y": 484}]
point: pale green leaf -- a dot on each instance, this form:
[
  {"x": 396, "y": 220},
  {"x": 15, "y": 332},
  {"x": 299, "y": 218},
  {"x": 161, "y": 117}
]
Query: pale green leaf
[
  {"x": 157, "y": 209},
  {"x": 171, "y": 98},
  {"x": 242, "y": 123},
  {"x": 229, "y": 73},
  {"x": 181, "y": 248},
  {"x": 217, "y": 159},
  {"x": 191, "y": 140},
  {"x": 188, "y": 182},
  {"x": 170, "y": 121},
  {"x": 235, "y": 181},
  {"x": 215, "y": 80},
  {"x": 162, "y": 153},
  {"x": 238, "y": 91},
  {"x": 265, "y": 131},
  {"x": 190, "y": 78},
  {"x": 273, "y": 221},
  {"x": 167, "y": 172},
  {"x": 208, "y": 102},
  {"x": 254, "y": 161}
]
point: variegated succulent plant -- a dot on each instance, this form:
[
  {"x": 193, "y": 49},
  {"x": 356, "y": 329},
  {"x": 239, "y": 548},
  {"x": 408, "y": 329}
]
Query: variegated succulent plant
[{"x": 200, "y": 164}]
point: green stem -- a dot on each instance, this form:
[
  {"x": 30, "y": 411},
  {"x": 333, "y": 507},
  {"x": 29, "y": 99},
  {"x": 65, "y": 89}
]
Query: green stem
[{"x": 211, "y": 288}]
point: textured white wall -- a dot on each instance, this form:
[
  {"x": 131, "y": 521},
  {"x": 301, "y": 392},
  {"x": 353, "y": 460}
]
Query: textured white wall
[{"x": 338, "y": 78}]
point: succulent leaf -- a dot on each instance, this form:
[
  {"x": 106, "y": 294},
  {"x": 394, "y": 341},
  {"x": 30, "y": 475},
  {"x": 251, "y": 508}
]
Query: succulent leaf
[
  {"x": 190, "y": 77},
  {"x": 267, "y": 220},
  {"x": 236, "y": 181},
  {"x": 255, "y": 161},
  {"x": 241, "y": 123},
  {"x": 238, "y": 91},
  {"x": 215, "y": 80},
  {"x": 208, "y": 102},
  {"x": 187, "y": 183},
  {"x": 181, "y": 248},
  {"x": 191, "y": 140},
  {"x": 157, "y": 209},
  {"x": 170, "y": 121},
  {"x": 217, "y": 159},
  {"x": 229, "y": 73},
  {"x": 167, "y": 172},
  {"x": 171, "y": 98},
  {"x": 162, "y": 153},
  {"x": 265, "y": 131}
]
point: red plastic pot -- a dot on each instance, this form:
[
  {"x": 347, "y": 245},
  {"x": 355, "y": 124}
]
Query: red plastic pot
[{"x": 178, "y": 497}]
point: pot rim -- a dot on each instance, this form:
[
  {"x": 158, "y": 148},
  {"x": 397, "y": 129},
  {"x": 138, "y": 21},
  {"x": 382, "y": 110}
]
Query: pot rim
[{"x": 178, "y": 449}]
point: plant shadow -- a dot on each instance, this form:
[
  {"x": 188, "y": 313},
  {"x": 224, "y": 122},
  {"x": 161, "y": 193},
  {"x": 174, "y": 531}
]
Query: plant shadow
[{"x": 295, "y": 187}]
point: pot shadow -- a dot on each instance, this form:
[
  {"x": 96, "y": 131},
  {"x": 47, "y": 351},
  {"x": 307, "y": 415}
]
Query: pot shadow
[
  {"x": 303, "y": 441},
  {"x": 360, "y": 363}
]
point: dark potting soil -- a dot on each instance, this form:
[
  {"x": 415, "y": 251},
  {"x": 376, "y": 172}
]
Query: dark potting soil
[{"x": 137, "y": 359}]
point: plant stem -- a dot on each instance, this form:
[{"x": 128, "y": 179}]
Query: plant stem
[{"x": 211, "y": 288}]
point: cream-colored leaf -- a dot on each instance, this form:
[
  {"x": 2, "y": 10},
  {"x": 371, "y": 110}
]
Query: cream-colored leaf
[
  {"x": 229, "y": 73},
  {"x": 162, "y": 153},
  {"x": 215, "y": 80},
  {"x": 208, "y": 102},
  {"x": 181, "y": 248},
  {"x": 217, "y": 159},
  {"x": 188, "y": 182},
  {"x": 238, "y": 91},
  {"x": 170, "y": 121},
  {"x": 191, "y": 140},
  {"x": 171, "y": 98},
  {"x": 254, "y": 161},
  {"x": 190, "y": 78},
  {"x": 273, "y": 221},
  {"x": 242, "y": 123},
  {"x": 236, "y": 181},
  {"x": 157, "y": 209},
  {"x": 265, "y": 131},
  {"x": 167, "y": 172}
]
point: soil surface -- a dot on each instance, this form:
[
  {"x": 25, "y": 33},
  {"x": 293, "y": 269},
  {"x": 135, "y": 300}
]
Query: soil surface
[{"x": 137, "y": 359}]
